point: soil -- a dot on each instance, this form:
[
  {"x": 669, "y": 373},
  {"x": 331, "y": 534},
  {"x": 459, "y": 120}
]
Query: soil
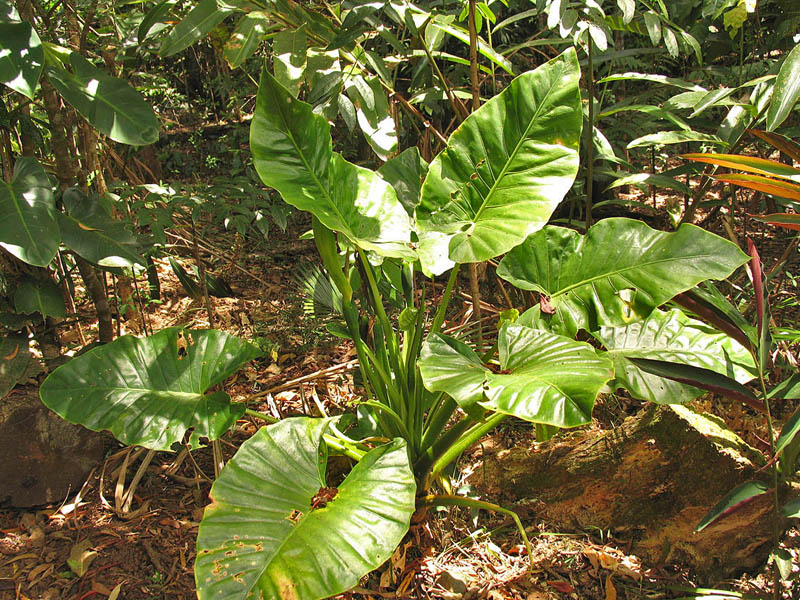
[{"x": 86, "y": 547}]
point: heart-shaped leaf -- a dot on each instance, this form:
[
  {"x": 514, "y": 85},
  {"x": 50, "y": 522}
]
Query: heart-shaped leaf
[
  {"x": 28, "y": 227},
  {"x": 21, "y": 57},
  {"x": 293, "y": 153},
  {"x": 542, "y": 377},
  {"x": 617, "y": 273},
  {"x": 505, "y": 169},
  {"x": 274, "y": 530},
  {"x": 149, "y": 391},
  {"x": 110, "y": 104},
  {"x": 674, "y": 337}
]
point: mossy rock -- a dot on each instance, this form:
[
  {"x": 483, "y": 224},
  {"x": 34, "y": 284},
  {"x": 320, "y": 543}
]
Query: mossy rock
[{"x": 649, "y": 481}]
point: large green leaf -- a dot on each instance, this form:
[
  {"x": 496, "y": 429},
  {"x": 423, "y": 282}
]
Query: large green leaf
[
  {"x": 674, "y": 337},
  {"x": 449, "y": 365},
  {"x": 617, "y": 273},
  {"x": 195, "y": 25},
  {"x": 15, "y": 360},
  {"x": 787, "y": 90},
  {"x": 542, "y": 377},
  {"x": 28, "y": 227},
  {"x": 293, "y": 153},
  {"x": 263, "y": 536},
  {"x": 101, "y": 240},
  {"x": 110, "y": 104},
  {"x": 149, "y": 391},
  {"x": 21, "y": 57},
  {"x": 41, "y": 297},
  {"x": 505, "y": 169}
]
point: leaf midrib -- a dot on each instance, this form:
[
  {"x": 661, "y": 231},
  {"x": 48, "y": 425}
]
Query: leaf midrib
[
  {"x": 103, "y": 99},
  {"x": 512, "y": 155},
  {"x": 165, "y": 393},
  {"x": 608, "y": 274},
  {"x": 311, "y": 171}
]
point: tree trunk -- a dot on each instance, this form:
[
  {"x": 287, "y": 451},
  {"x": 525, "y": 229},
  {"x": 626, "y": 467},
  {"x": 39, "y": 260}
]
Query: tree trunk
[
  {"x": 649, "y": 482},
  {"x": 66, "y": 177},
  {"x": 96, "y": 291}
]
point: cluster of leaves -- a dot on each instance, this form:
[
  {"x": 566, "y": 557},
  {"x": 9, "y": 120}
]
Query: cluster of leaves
[
  {"x": 384, "y": 69},
  {"x": 472, "y": 206}
]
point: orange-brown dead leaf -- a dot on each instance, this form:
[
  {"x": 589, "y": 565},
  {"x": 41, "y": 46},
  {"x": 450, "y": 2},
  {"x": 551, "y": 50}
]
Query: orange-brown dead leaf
[
  {"x": 611, "y": 591},
  {"x": 561, "y": 586}
]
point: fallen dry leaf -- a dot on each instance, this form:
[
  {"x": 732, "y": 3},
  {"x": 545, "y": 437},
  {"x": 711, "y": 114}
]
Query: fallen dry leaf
[
  {"x": 611, "y": 591},
  {"x": 81, "y": 557},
  {"x": 561, "y": 586}
]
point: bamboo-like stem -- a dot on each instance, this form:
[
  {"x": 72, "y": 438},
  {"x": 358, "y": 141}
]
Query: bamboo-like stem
[
  {"x": 448, "y": 291},
  {"x": 453, "y": 451},
  {"x": 476, "y": 103},
  {"x": 589, "y": 134}
]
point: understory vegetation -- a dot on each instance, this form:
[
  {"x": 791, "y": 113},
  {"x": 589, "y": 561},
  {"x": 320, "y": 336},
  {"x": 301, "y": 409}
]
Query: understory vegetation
[{"x": 306, "y": 261}]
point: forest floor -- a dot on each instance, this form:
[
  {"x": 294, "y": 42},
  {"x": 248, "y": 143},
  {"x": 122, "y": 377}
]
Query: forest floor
[{"x": 87, "y": 548}]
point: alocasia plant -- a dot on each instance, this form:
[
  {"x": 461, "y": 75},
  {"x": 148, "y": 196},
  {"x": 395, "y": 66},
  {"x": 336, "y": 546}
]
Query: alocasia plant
[{"x": 275, "y": 527}]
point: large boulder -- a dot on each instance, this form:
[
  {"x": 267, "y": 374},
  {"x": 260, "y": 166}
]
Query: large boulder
[
  {"x": 45, "y": 458},
  {"x": 649, "y": 481}
]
